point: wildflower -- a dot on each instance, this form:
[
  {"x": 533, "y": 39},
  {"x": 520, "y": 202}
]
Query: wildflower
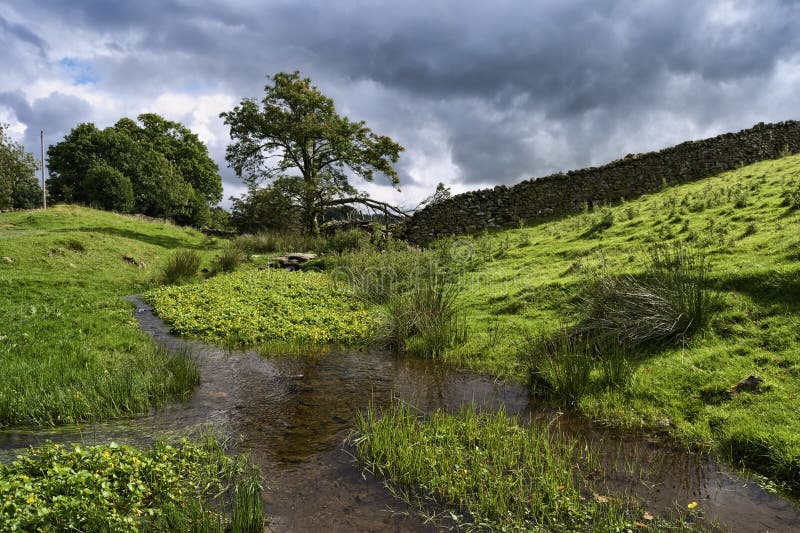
[
  {"x": 692, "y": 505},
  {"x": 31, "y": 498},
  {"x": 106, "y": 454}
]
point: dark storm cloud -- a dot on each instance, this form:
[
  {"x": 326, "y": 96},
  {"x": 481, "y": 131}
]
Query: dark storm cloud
[
  {"x": 57, "y": 114},
  {"x": 10, "y": 32},
  {"x": 509, "y": 89}
]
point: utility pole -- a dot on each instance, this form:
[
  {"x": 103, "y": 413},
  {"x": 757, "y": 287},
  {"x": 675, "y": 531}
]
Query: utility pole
[{"x": 44, "y": 184}]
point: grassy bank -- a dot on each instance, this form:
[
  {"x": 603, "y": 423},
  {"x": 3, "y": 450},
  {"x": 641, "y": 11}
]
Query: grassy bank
[
  {"x": 70, "y": 347},
  {"x": 189, "y": 486},
  {"x": 485, "y": 472},
  {"x": 528, "y": 284}
]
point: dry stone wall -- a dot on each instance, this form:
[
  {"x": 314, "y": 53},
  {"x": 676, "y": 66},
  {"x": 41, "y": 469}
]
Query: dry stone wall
[{"x": 626, "y": 178}]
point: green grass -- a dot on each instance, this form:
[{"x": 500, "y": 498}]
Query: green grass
[
  {"x": 486, "y": 472},
  {"x": 531, "y": 279},
  {"x": 262, "y": 307},
  {"x": 70, "y": 347},
  {"x": 188, "y": 486}
]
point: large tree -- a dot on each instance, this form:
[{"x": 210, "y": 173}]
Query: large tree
[
  {"x": 19, "y": 187},
  {"x": 164, "y": 165},
  {"x": 297, "y": 143}
]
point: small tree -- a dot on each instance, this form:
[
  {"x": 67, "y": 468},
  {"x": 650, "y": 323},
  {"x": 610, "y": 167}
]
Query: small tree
[
  {"x": 109, "y": 188},
  {"x": 167, "y": 166},
  {"x": 19, "y": 187},
  {"x": 296, "y": 141}
]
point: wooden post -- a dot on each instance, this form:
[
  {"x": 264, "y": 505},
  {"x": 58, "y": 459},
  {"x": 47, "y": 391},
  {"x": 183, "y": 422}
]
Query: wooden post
[{"x": 44, "y": 184}]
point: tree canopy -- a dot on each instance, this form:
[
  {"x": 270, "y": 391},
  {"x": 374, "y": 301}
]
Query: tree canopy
[
  {"x": 19, "y": 188},
  {"x": 297, "y": 143},
  {"x": 153, "y": 166}
]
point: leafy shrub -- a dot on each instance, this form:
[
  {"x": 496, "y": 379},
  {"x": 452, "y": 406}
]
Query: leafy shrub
[
  {"x": 183, "y": 265},
  {"x": 108, "y": 188},
  {"x": 121, "y": 488},
  {"x": 667, "y": 303}
]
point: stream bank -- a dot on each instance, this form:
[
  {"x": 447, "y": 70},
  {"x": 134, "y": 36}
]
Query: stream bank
[{"x": 292, "y": 415}]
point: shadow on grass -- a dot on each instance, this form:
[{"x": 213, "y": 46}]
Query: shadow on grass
[
  {"x": 164, "y": 241},
  {"x": 766, "y": 288}
]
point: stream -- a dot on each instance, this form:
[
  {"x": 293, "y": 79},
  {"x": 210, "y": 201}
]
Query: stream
[{"x": 292, "y": 415}]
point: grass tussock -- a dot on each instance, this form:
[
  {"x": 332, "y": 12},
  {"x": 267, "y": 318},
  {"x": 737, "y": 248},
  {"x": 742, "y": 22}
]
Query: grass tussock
[
  {"x": 182, "y": 266},
  {"x": 229, "y": 259},
  {"x": 668, "y": 302},
  {"x": 424, "y": 320},
  {"x": 564, "y": 366},
  {"x": 281, "y": 242},
  {"x": 76, "y": 387},
  {"x": 486, "y": 472},
  {"x": 418, "y": 293}
]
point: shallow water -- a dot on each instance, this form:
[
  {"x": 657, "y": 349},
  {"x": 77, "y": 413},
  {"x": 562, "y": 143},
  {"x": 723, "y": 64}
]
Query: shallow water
[{"x": 292, "y": 414}]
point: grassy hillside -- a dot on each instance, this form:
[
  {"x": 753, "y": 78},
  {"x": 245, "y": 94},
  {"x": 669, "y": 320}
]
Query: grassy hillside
[
  {"x": 517, "y": 292},
  {"x": 70, "y": 348},
  {"x": 746, "y": 223}
]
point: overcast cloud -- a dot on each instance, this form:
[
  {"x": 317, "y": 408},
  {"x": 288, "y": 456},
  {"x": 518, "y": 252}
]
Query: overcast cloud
[{"x": 478, "y": 92}]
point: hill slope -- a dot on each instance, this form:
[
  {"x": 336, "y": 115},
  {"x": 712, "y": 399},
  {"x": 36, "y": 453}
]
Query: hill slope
[
  {"x": 747, "y": 224},
  {"x": 70, "y": 348}
]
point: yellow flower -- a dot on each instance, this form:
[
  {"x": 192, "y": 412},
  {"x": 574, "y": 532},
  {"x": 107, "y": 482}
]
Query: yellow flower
[
  {"x": 106, "y": 454},
  {"x": 692, "y": 505},
  {"x": 31, "y": 499}
]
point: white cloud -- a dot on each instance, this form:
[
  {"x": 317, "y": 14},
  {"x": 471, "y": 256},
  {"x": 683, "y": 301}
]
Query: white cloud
[{"x": 199, "y": 113}]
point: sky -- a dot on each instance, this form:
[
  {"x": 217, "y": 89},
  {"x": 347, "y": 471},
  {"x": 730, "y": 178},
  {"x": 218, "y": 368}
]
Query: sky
[{"x": 478, "y": 92}]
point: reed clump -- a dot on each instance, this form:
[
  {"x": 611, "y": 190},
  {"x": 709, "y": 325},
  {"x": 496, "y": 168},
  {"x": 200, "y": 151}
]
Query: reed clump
[{"x": 667, "y": 303}]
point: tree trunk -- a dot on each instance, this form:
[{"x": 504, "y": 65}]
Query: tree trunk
[{"x": 310, "y": 216}]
